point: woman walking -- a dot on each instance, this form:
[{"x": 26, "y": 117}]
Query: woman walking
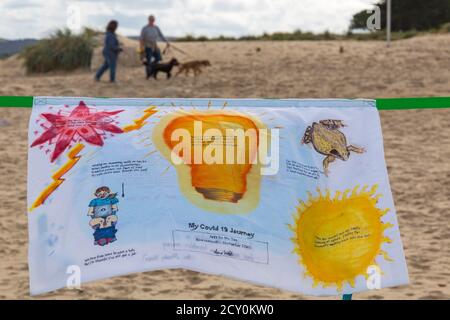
[{"x": 111, "y": 50}]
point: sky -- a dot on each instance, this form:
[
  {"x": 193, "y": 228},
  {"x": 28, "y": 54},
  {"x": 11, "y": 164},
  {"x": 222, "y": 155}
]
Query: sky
[{"x": 39, "y": 18}]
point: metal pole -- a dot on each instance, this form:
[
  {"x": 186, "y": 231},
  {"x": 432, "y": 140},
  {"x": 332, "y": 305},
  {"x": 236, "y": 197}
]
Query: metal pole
[{"x": 388, "y": 23}]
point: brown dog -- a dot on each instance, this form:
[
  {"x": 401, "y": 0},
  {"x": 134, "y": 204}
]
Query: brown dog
[{"x": 196, "y": 66}]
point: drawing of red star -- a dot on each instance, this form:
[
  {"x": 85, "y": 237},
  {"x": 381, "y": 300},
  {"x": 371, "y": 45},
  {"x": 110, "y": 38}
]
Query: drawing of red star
[{"x": 82, "y": 123}]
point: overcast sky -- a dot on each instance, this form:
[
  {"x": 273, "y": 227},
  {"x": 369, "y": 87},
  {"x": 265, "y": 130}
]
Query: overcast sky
[{"x": 38, "y": 18}]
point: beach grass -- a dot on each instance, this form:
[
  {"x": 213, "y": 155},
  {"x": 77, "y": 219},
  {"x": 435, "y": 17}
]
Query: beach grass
[{"x": 63, "y": 51}]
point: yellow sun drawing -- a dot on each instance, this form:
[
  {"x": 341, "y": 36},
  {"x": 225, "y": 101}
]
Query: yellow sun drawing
[{"x": 338, "y": 238}]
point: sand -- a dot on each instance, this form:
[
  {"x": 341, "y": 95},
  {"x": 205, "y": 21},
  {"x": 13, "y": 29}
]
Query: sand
[{"x": 417, "y": 146}]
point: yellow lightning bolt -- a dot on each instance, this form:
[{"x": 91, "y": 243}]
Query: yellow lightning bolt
[
  {"x": 140, "y": 122},
  {"x": 57, "y": 176}
]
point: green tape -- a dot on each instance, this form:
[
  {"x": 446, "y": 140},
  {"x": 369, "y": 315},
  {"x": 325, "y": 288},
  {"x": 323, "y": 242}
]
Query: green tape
[
  {"x": 413, "y": 103},
  {"x": 382, "y": 104},
  {"x": 16, "y": 101}
]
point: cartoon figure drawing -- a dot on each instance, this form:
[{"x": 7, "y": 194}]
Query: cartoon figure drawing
[
  {"x": 102, "y": 211},
  {"x": 329, "y": 141}
]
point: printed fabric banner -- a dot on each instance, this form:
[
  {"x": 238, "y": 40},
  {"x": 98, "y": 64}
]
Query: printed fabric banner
[{"x": 292, "y": 194}]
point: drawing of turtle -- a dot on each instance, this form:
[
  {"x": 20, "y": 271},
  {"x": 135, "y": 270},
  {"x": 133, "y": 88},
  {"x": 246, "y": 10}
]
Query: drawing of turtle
[{"x": 329, "y": 141}]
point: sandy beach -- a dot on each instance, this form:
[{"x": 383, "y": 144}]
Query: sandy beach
[{"x": 417, "y": 149}]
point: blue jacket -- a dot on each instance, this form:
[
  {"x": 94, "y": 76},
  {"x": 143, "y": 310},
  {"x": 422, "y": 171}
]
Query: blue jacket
[{"x": 111, "y": 47}]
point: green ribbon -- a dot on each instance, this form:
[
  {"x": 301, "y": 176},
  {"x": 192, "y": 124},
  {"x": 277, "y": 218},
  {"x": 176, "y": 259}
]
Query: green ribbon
[
  {"x": 347, "y": 296},
  {"x": 413, "y": 103},
  {"x": 16, "y": 101},
  {"x": 382, "y": 104}
]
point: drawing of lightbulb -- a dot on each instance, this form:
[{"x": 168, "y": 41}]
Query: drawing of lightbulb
[{"x": 215, "y": 155}]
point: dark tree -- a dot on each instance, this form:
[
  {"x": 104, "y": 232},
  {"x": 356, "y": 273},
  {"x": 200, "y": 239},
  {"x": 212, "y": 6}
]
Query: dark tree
[{"x": 409, "y": 15}]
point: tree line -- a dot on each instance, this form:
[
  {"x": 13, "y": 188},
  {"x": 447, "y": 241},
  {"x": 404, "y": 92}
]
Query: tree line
[{"x": 409, "y": 15}]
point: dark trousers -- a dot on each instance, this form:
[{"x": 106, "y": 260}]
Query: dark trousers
[
  {"x": 110, "y": 63},
  {"x": 151, "y": 54}
]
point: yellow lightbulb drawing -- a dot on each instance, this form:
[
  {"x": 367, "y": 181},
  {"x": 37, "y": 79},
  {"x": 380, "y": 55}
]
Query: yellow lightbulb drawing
[
  {"x": 338, "y": 238},
  {"x": 219, "y": 187}
]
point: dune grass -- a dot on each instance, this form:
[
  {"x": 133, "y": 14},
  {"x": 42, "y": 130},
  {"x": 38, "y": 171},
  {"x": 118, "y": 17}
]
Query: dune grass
[{"x": 63, "y": 51}]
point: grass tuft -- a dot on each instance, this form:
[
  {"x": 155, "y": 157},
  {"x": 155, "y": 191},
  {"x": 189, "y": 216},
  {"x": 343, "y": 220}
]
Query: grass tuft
[{"x": 63, "y": 51}]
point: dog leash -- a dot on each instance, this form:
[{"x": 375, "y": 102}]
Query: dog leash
[{"x": 177, "y": 49}]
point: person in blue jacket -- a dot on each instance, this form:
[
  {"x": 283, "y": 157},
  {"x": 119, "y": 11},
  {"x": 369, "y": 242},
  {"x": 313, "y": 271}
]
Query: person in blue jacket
[{"x": 111, "y": 51}]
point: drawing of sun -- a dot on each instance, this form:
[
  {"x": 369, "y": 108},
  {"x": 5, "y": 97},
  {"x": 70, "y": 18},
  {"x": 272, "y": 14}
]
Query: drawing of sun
[{"x": 338, "y": 238}]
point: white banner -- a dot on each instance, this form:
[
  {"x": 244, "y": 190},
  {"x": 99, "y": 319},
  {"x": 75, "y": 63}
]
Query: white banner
[{"x": 292, "y": 194}]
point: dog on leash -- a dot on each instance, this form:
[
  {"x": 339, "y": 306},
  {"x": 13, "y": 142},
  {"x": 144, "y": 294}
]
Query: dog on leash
[
  {"x": 154, "y": 68},
  {"x": 196, "y": 66}
]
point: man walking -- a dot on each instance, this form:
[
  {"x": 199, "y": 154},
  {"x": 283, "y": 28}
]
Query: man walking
[{"x": 149, "y": 35}]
